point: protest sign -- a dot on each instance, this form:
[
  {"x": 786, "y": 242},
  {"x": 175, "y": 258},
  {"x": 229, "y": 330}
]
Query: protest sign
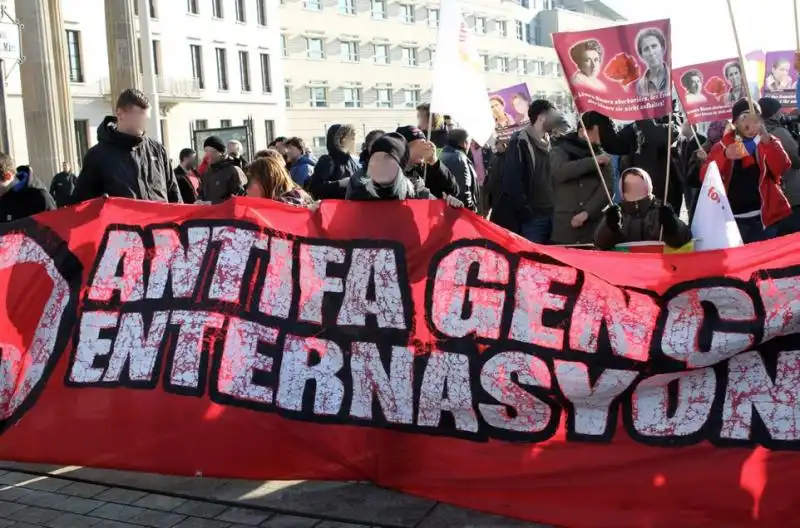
[
  {"x": 410, "y": 344},
  {"x": 708, "y": 90},
  {"x": 621, "y": 71},
  {"x": 780, "y": 77},
  {"x": 510, "y": 109}
]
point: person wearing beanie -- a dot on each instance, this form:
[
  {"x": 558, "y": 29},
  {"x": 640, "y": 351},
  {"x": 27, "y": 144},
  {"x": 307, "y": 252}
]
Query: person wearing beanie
[
  {"x": 772, "y": 112},
  {"x": 752, "y": 162},
  {"x": 640, "y": 217},
  {"x": 334, "y": 170},
  {"x": 423, "y": 153},
  {"x": 223, "y": 178},
  {"x": 21, "y": 193}
]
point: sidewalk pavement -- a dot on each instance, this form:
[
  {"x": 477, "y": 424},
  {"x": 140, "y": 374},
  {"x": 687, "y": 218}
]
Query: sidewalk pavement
[{"x": 33, "y": 496}]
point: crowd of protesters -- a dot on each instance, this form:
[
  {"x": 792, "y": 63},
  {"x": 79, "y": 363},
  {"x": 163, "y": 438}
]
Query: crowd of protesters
[{"x": 597, "y": 184}]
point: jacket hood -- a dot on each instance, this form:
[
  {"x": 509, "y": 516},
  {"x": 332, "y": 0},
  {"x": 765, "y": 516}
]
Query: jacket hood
[
  {"x": 639, "y": 172},
  {"x": 107, "y": 133},
  {"x": 334, "y": 150},
  {"x": 26, "y": 179}
]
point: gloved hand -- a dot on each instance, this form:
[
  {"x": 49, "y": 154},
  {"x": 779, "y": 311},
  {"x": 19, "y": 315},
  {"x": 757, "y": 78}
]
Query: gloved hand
[
  {"x": 614, "y": 218},
  {"x": 667, "y": 219}
]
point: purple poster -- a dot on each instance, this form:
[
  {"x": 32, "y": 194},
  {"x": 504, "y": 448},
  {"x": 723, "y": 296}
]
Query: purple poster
[
  {"x": 780, "y": 77},
  {"x": 510, "y": 109}
]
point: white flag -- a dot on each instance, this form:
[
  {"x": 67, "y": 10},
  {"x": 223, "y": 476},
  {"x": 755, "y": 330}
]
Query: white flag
[
  {"x": 713, "y": 225},
  {"x": 459, "y": 88}
]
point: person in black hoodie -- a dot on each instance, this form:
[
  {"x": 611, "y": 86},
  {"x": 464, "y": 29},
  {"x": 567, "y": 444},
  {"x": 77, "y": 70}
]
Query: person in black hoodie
[
  {"x": 334, "y": 170},
  {"x": 372, "y": 135},
  {"x": 21, "y": 193},
  {"x": 455, "y": 158},
  {"x": 422, "y": 154},
  {"x": 63, "y": 184},
  {"x": 125, "y": 162}
]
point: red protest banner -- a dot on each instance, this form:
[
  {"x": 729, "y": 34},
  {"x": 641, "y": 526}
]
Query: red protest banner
[
  {"x": 620, "y": 71},
  {"x": 409, "y": 344},
  {"x": 707, "y": 91}
]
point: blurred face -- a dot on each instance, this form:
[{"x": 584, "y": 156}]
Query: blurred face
[
  {"x": 417, "y": 150},
  {"x": 280, "y": 147},
  {"x": 498, "y": 110},
  {"x": 190, "y": 161},
  {"x": 694, "y": 84},
  {"x": 589, "y": 65},
  {"x": 748, "y": 125},
  {"x": 520, "y": 106},
  {"x": 652, "y": 52},
  {"x": 592, "y": 134},
  {"x": 686, "y": 129},
  {"x": 255, "y": 190},
  {"x": 634, "y": 187},
  {"x": 781, "y": 72},
  {"x": 212, "y": 154},
  {"x": 735, "y": 77},
  {"x": 349, "y": 143},
  {"x": 66, "y": 166},
  {"x": 233, "y": 148},
  {"x": 422, "y": 120},
  {"x": 382, "y": 168},
  {"x": 132, "y": 120},
  {"x": 292, "y": 152}
]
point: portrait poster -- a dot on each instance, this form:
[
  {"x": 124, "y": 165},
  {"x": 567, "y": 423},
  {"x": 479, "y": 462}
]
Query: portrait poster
[
  {"x": 708, "y": 90},
  {"x": 510, "y": 109},
  {"x": 620, "y": 71},
  {"x": 780, "y": 77}
]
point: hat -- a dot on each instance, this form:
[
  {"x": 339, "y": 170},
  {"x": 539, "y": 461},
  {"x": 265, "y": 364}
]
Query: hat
[
  {"x": 393, "y": 144},
  {"x": 742, "y": 106},
  {"x": 769, "y": 106},
  {"x": 215, "y": 143},
  {"x": 411, "y": 133}
]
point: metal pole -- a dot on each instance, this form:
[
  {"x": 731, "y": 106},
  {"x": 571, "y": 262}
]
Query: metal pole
[
  {"x": 148, "y": 69},
  {"x": 5, "y": 142}
]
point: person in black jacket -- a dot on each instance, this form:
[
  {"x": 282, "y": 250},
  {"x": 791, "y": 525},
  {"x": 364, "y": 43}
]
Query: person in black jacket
[
  {"x": 188, "y": 181},
  {"x": 422, "y": 154},
  {"x": 125, "y": 162},
  {"x": 455, "y": 158},
  {"x": 21, "y": 193},
  {"x": 372, "y": 135},
  {"x": 333, "y": 171},
  {"x": 686, "y": 163},
  {"x": 438, "y": 132},
  {"x": 63, "y": 185}
]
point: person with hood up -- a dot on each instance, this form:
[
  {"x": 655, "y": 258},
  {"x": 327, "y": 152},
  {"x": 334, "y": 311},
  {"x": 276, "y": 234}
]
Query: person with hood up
[
  {"x": 751, "y": 162},
  {"x": 301, "y": 162},
  {"x": 424, "y": 164},
  {"x": 125, "y": 162},
  {"x": 372, "y": 135},
  {"x": 188, "y": 182},
  {"x": 640, "y": 217},
  {"x": 223, "y": 178},
  {"x": 454, "y": 157},
  {"x": 772, "y": 112},
  {"x": 63, "y": 185},
  {"x": 21, "y": 193},
  {"x": 333, "y": 170},
  {"x": 579, "y": 195}
]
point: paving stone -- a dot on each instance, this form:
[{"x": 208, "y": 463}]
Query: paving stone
[
  {"x": 207, "y": 510},
  {"x": 244, "y": 516},
  {"x": 446, "y": 515},
  {"x": 335, "y": 524},
  {"x": 12, "y": 477},
  {"x": 13, "y": 493},
  {"x": 46, "y": 483},
  {"x": 120, "y": 496},
  {"x": 34, "y": 514},
  {"x": 83, "y": 489},
  {"x": 290, "y": 521},
  {"x": 78, "y": 505},
  {"x": 5, "y": 523},
  {"x": 7, "y": 508},
  {"x": 70, "y": 520},
  {"x": 159, "y": 502},
  {"x": 44, "y": 499},
  {"x": 158, "y": 519},
  {"x": 196, "y": 522},
  {"x": 114, "y": 524},
  {"x": 117, "y": 512},
  {"x": 25, "y": 525}
]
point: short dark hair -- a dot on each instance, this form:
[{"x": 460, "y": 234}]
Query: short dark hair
[
  {"x": 185, "y": 153},
  {"x": 538, "y": 107},
  {"x": 457, "y": 137},
  {"x": 132, "y": 97},
  {"x": 593, "y": 119},
  {"x": 296, "y": 142},
  {"x": 372, "y": 135},
  {"x": 279, "y": 139},
  {"x": 7, "y": 163},
  {"x": 688, "y": 75}
]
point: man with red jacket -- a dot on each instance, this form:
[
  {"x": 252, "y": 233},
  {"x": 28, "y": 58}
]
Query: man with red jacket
[{"x": 751, "y": 162}]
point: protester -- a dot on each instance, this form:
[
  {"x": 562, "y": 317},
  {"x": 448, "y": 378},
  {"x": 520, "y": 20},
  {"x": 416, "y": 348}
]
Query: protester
[
  {"x": 279, "y": 144},
  {"x": 687, "y": 158},
  {"x": 125, "y": 162},
  {"x": 21, "y": 193},
  {"x": 334, "y": 170},
  {"x": 301, "y": 162},
  {"x": 424, "y": 164},
  {"x": 224, "y": 177},
  {"x": 772, "y": 112},
  {"x": 235, "y": 153},
  {"x": 579, "y": 194},
  {"x": 372, "y": 135},
  {"x": 455, "y": 158},
  {"x": 527, "y": 188},
  {"x": 63, "y": 185},
  {"x": 751, "y": 162},
  {"x": 640, "y": 217},
  {"x": 438, "y": 132},
  {"x": 268, "y": 178},
  {"x": 188, "y": 181},
  {"x": 497, "y": 209},
  {"x": 271, "y": 153}
]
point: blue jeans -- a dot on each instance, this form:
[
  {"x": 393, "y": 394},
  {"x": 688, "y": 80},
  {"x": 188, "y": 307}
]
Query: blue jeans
[
  {"x": 752, "y": 230},
  {"x": 537, "y": 230}
]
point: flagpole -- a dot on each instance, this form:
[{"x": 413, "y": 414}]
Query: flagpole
[
  {"x": 669, "y": 164},
  {"x": 796, "y": 27}
]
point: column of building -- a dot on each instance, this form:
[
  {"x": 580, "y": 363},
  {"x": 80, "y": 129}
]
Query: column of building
[
  {"x": 123, "y": 57},
  {"x": 61, "y": 64}
]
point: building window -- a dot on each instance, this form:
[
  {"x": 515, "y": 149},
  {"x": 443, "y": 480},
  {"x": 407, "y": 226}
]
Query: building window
[
  {"x": 384, "y": 97},
  {"x": 225, "y": 123},
  {"x": 408, "y": 14},
  {"x": 266, "y": 74},
  {"x": 522, "y": 66},
  {"x": 191, "y": 7},
  {"x": 284, "y": 47},
  {"x": 74, "y": 56},
  {"x": 433, "y": 17},
  {"x": 318, "y": 97},
  {"x": 480, "y": 25},
  {"x": 350, "y": 51},
  {"x": 352, "y": 97},
  {"x": 557, "y": 71},
  {"x": 538, "y": 67},
  {"x": 197, "y": 65},
  {"x": 261, "y": 12},
  {"x": 81, "y": 127},
  {"x": 502, "y": 64},
  {"x": 432, "y": 53},
  {"x": 157, "y": 57},
  {"x": 381, "y": 53},
  {"x": 315, "y": 48},
  {"x": 378, "y": 9},
  {"x": 485, "y": 59},
  {"x": 241, "y": 13},
  {"x": 201, "y": 124},
  {"x": 269, "y": 128},
  {"x": 287, "y": 95},
  {"x": 222, "y": 69},
  {"x": 347, "y": 7},
  {"x": 152, "y": 6},
  {"x": 244, "y": 70},
  {"x": 411, "y": 97},
  {"x": 520, "y": 30},
  {"x": 319, "y": 142},
  {"x": 313, "y": 5},
  {"x": 410, "y": 57},
  {"x": 216, "y": 9},
  {"x": 502, "y": 28}
]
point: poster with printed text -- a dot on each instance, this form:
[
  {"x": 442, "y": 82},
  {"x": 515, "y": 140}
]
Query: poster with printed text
[
  {"x": 621, "y": 71},
  {"x": 708, "y": 90},
  {"x": 510, "y": 109},
  {"x": 780, "y": 77}
]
